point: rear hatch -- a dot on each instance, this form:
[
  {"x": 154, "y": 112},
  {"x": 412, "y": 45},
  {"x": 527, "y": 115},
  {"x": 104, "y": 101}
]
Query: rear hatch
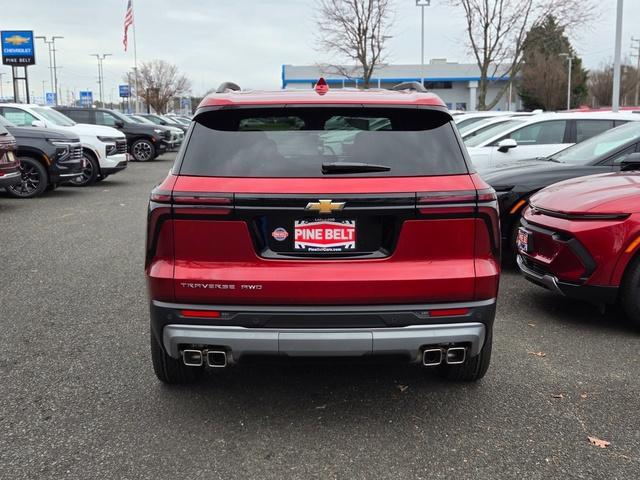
[{"x": 317, "y": 205}]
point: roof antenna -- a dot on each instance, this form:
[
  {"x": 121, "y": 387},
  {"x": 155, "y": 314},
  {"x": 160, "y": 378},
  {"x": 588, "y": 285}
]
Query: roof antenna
[
  {"x": 228, "y": 86},
  {"x": 321, "y": 87}
]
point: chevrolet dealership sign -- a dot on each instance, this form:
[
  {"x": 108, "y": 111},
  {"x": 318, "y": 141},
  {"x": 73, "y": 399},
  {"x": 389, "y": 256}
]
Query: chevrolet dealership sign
[{"x": 17, "y": 48}]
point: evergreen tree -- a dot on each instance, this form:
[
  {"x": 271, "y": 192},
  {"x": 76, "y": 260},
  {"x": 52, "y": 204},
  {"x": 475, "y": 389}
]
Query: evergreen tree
[{"x": 543, "y": 81}]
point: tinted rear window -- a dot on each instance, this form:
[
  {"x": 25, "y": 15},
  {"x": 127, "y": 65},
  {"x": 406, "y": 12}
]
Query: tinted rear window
[{"x": 297, "y": 141}]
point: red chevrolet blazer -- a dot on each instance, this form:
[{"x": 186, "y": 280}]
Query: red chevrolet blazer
[{"x": 322, "y": 223}]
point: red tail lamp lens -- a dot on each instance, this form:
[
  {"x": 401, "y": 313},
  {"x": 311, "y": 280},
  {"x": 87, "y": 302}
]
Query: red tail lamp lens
[
  {"x": 449, "y": 312},
  {"x": 200, "y": 313}
]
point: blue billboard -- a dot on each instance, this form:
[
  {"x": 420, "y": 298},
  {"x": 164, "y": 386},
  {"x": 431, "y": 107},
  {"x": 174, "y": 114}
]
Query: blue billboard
[
  {"x": 86, "y": 98},
  {"x": 125, "y": 91},
  {"x": 17, "y": 47}
]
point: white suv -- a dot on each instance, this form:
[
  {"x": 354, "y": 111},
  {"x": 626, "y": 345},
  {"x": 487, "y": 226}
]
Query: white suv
[
  {"x": 104, "y": 148},
  {"x": 539, "y": 136}
]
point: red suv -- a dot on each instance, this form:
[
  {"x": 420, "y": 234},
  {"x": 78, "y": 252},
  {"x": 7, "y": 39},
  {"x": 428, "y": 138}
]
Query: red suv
[
  {"x": 581, "y": 238},
  {"x": 322, "y": 223}
]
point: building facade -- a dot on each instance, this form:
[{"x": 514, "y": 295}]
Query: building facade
[{"x": 455, "y": 83}]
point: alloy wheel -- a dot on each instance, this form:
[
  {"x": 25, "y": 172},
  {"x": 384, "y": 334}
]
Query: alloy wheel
[{"x": 142, "y": 151}]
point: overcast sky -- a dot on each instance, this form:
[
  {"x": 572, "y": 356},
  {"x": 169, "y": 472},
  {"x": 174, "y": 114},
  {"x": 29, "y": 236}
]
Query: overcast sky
[{"x": 245, "y": 41}]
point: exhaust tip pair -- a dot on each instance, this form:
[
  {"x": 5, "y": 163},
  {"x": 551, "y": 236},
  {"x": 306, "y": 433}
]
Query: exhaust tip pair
[
  {"x": 432, "y": 357},
  {"x": 198, "y": 358}
]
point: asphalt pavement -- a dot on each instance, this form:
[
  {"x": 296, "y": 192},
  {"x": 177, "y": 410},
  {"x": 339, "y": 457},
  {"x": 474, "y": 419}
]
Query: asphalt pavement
[{"x": 79, "y": 398}]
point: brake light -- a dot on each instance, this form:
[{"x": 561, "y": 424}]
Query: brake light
[
  {"x": 434, "y": 203},
  {"x": 322, "y": 87}
]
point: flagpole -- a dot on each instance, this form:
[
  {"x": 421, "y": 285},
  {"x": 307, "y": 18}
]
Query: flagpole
[{"x": 135, "y": 59}]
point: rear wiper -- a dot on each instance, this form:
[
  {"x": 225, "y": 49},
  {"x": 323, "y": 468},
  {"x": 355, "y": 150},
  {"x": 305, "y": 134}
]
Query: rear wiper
[{"x": 352, "y": 167}]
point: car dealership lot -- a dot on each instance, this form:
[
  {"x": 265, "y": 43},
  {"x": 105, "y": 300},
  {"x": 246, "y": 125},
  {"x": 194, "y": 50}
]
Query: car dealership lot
[{"x": 80, "y": 399}]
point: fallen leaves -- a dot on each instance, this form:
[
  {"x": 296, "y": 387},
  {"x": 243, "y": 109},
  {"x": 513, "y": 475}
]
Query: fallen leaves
[
  {"x": 538, "y": 354},
  {"x": 557, "y": 395},
  {"x": 403, "y": 388},
  {"x": 598, "y": 442}
]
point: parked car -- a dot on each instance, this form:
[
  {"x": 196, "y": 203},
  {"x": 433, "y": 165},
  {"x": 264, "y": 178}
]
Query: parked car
[
  {"x": 540, "y": 136},
  {"x": 276, "y": 233},
  {"x": 581, "y": 238},
  {"x": 177, "y": 135},
  {"x": 164, "y": 121},
  {"x": 145, "y": 142},
  {"x": 103, "y": 148},
  {"x": 515, "y": 182},
  {"x": 47, "y": 158},
  {"x": 466, "y": 120},
  {"x": 9, "y": 163},
  {"x": 493, "y": 124}
]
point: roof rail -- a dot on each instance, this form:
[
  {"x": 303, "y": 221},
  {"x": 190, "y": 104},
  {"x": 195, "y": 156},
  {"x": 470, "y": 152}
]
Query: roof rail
[
  {"x": 415, "y": 86},
  {"x": 226, "y": 86}
]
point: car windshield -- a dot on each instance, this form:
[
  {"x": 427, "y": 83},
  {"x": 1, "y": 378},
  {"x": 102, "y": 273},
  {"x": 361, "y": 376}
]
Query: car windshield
[
  {"x": 315, "y": 142},
  {"x": 54, "y": 117},
  {"x": 599, "y": 146},
  {"x": 491, "y": 131},
  {"x": 170, "y": 120},
  {"x": 480, "y": 127},
  {"x": 5, "y": 123},
  {"x": 120, "y": 116},
  {"x": 137, "y": 118}
]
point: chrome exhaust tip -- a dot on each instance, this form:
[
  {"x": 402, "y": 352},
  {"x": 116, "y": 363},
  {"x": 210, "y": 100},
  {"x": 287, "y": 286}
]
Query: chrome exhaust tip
[
  {"x": 216, "y": 358},
  {"x": 456, "y": 355},
  {"x": 192, "y": 358},
  {"x": 431, "y": 357}
]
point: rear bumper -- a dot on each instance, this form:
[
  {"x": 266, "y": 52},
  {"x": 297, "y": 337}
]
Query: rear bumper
[
  {"x": 322, "y": 331},
  {"x": 589, "y": 293}
]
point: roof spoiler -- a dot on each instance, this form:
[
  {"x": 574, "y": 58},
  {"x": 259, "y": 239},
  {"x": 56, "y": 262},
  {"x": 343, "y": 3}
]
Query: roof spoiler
[
  {"x": 228, "y": 86},
  {"x": 415, "y": 86}
]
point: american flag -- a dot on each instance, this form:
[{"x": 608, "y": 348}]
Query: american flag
[{"x": 128, "y": 21}]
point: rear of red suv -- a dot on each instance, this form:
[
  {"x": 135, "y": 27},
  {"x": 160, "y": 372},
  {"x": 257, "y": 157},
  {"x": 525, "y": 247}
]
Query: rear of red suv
[{"x": 340, "y": 223}]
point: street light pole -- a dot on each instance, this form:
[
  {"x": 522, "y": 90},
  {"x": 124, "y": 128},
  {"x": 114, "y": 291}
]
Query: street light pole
[
  {"x": 615, "y": 100},
  {"x": 53, "y": 67},
  {"x": 100, "y": 58},
  {"x": 422, "y": 4},
  {"x": 570, "y": 60}
]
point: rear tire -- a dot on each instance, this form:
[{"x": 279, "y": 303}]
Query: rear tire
[
  {"x": 34, "y": 179},
  {"x": 472, "y": 369},
  {"x": 170, "y": 370},
  {"x": 630, "y": 291}
]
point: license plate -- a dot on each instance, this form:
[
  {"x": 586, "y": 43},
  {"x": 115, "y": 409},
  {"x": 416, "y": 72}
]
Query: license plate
[
  {"x": 523, "y": 241},
  {"x": 324, "y": 235},
  {"x": 11, "y": 157}
]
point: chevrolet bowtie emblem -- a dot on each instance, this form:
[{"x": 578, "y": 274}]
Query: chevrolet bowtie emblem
[
  {"x": 16, "y": 40},
  {"x": 325, "y": 206}
]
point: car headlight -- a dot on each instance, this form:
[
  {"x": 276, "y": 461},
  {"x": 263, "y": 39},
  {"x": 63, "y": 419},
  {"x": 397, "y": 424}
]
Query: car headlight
[{"x": 62, "y": 147}]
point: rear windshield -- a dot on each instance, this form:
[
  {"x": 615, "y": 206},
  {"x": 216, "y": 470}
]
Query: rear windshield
[{"x": 298, "y": 141}]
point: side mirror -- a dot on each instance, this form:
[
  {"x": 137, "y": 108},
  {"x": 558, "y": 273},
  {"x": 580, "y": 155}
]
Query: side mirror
[
  {"x": 506, "y": 145},
  {"x": 37, "y": 123},
  {"x": 119, "y": 124},
  {"x": 630, "y": 162}
]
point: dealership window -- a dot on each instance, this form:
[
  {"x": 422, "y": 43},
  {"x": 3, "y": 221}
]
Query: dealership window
[{"x": 438, "y": 85}]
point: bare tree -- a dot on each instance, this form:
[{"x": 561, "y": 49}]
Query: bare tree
[
  {"x": 159, "y": 82},
  {"x": 601, "y": 85},
  {"x": 356, "y": 30},
  {"x": 496, "y": 31}
]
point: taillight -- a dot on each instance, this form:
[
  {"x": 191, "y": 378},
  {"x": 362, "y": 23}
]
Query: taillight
[
  {"x": 200, "y": 313},
  {"x": 482, "y": 204}
]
